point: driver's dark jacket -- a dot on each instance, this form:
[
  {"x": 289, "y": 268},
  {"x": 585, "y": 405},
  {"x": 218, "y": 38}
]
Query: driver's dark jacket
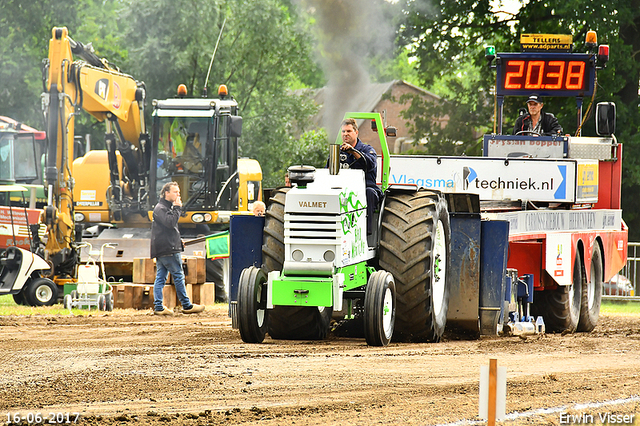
[
  {"x": 165, "y": 236},
  {"x": 550, "y": 125},
  {"x": 367, "y": 162}
]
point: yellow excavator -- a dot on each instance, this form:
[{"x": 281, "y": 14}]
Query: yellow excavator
[{"x": 108, "y": 195}]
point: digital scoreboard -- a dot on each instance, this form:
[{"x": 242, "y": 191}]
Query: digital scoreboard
[{"x": 546, "y": 74}]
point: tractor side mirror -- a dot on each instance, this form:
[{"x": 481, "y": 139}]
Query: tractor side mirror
[
  {"x": 605, "y": 118},
  {"x": 235, "y": 126}
]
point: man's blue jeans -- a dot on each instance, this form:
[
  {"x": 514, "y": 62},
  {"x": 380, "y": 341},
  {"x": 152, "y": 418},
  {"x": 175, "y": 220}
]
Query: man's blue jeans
[{"x": 170, "y": 264}]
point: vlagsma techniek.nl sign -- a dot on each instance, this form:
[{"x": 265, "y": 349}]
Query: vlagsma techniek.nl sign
[{"x": 541, "y": 180}]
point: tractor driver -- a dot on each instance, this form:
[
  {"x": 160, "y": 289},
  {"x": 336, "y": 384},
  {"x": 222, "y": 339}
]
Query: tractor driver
[
  {"x": 537, "y": 122},
  {"x": 355, "y": 154}
]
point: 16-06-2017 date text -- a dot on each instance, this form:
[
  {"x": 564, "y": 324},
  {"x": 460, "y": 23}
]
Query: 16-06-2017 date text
[{"x": 42, "y": 418}]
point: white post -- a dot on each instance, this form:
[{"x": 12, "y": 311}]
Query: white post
[{"x": 493, "y": 392}]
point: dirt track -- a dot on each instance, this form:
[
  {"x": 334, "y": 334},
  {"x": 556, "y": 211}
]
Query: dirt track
[{"x": 130, "y": 367}]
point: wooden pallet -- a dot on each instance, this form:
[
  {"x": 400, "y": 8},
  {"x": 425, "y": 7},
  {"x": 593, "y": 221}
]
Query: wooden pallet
[
  {"x": 144, "y": 270},
  {"x": 140, "y": 296},
  {"x": 132, "y": 296}
]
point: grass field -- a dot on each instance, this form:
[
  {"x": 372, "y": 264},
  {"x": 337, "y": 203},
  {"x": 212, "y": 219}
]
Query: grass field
[
  {"x": 9, "y": 307},
  {"x": 620, "y": 308}
]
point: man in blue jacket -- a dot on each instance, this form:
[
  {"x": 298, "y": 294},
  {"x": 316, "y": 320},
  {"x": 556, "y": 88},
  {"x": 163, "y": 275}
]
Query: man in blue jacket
[
  {"x": 166, "y": 247},
  {"x": 355, "y": 154}
]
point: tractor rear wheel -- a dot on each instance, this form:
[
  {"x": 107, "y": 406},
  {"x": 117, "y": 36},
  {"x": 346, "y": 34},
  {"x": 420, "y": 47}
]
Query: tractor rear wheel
[
  {"x": 560, "y": 307},
  {"x": 288, "y": 322},
  {"x": 592, "y": 293},
  {"x": 415, "y": 238},
  {"x": 273, "y": 238}
]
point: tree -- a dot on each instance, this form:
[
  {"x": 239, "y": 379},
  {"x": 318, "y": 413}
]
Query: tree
[
  {"x": 451, "y": 35},
  {"x": 262, "y": 50},
  {"x": 26, "y": 30},
  {"x": 24, "y": 44}
]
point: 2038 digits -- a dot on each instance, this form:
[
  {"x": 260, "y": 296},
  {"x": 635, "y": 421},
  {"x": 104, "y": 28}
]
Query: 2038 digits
[{"x": 42, "y": 418}]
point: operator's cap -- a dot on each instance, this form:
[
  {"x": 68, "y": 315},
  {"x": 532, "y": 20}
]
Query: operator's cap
[{"x": 535, "y": 98}]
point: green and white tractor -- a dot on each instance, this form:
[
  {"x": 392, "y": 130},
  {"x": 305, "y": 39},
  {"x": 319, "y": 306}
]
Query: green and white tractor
[{"x": 318, "y": 262}]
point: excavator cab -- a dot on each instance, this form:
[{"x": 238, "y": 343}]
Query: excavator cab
[{"x": 195, "y": 144}]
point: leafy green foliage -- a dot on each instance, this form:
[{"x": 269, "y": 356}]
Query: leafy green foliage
[
  {"x": 262, "y": 50},
  {"x": 26, "y": 29},
  {"x": 265, "y": 49},
  {"x": 275, "y": 138}
]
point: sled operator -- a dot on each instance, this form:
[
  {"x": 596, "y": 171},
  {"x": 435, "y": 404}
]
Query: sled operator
[{"x": 537, "y": 122}]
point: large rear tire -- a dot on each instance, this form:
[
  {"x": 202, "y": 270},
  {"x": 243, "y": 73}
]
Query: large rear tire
[
  {"x": 288, "y": 322},
  {"x": 414, "y": 247},
  {"x": 273, "y": 238},
  {"x": 592, "y": 293},
  {"x": 379, "y": 309},
  {"x": 560, "y": 307},
  {"x": 253, "y": 314}
]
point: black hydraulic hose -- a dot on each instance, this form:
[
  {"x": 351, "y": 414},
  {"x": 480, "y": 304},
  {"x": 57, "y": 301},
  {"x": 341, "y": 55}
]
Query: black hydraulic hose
[
  {"x": 224, "y": 187},
  {"x": 26, "y": 218},
  {"x": 13, "y": 230},
  {"x": 85, "y": 52}
]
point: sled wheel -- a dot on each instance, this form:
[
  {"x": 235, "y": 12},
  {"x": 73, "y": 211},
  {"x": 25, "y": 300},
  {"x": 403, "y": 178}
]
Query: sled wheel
[
  {"x": 592, "y": 293},
  {"x": 252, "y": 305},
  {"x": 379, "y": 309},
  {"x": 560, "y": 307}
]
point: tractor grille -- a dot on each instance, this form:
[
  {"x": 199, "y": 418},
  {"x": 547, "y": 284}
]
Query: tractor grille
[{"x": 305, "y": 228}]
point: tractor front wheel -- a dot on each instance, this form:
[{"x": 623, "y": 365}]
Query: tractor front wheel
[
  {"x": 379, "y": 309},
  {"x": 252, "y": 305}
]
